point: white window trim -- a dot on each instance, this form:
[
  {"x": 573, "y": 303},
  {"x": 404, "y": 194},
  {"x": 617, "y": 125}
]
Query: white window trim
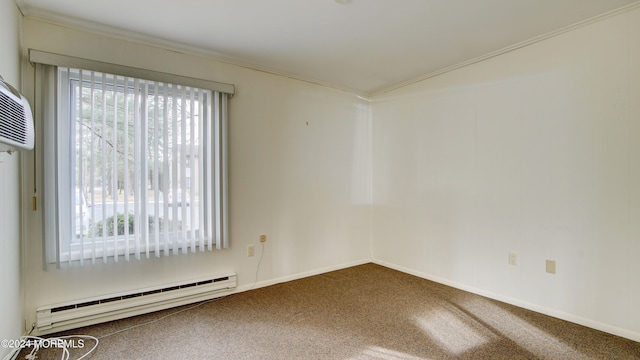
[{"x": 44, "y": 101}]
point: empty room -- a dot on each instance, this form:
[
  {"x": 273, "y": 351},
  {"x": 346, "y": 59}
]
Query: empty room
[{"x": 320, "y": 179}]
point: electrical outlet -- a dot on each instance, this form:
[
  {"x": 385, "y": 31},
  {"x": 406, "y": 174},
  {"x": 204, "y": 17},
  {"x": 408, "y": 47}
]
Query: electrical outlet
[
  {"x": 250, "y": 250},
  {"x": 263, "y": 238},
  {"x": 551, "y": 266},
  {"x": 513, "y": 258}
]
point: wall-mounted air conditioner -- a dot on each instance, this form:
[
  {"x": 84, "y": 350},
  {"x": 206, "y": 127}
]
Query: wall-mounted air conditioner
[{"x": 16, "y": 120}]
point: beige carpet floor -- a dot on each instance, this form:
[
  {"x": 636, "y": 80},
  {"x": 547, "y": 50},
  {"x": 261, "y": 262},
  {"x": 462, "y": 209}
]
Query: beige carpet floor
[{"x": 363, "y": 312}]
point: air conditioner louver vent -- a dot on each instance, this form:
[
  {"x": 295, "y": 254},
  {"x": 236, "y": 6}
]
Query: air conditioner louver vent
[
  {"x": 12, "y": 120},
  {"x": 16, "y": 121}
]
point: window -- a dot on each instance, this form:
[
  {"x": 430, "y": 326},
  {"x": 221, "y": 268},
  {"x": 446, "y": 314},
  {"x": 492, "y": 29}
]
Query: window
[{"x": 139, "y": 166}]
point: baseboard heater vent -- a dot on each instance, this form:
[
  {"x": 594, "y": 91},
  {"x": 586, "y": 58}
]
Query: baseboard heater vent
[{"x": 64, "y": 316}]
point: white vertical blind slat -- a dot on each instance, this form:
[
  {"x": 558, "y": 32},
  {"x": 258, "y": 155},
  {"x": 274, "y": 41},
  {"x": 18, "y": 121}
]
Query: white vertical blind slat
[
  {"x": 223, "y": 176},
  {"x": 156, "y": 169},
  {"x": 138, "y": 159},
  {"x": 201, "y": 170},
  {"x": 217, "y": 166},
  {"x": 182, "y": 176},
  {"x": 92, "y": 179},
  {"x": 209, "y": 194},
  {"x": 125, "y": 167},
  {"x": 174, "y": 170},
  {"x": 114, "y": 168},
  {"x": 152, "y": 151},
  {"x": 192, "y": 177},
  {"x": 145, "y": 168},
  {"x": 76, "y": 188},
  {"x": 165, "y": 172},
  {"x": 103, "y": 153}
]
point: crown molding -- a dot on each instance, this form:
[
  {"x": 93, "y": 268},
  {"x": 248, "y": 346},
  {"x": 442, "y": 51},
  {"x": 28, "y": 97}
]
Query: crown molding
[
  {"x": 23, "y": 6},
  {"x": 170, "y": 45},
  {"x": 131, "y": 36},
  {"x": 510, "y": 48}
]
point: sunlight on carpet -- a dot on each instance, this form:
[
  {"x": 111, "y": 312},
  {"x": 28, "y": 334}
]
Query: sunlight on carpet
[
  {"x": 525, "y": 334},
  {"x": 477, "y": 322},
  {"x": 457, "y": 333},
  {"x": 375, "y": 352}
]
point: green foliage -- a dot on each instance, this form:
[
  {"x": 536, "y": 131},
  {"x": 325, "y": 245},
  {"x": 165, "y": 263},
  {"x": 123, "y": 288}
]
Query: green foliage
[{"x": 120, "y": 223}]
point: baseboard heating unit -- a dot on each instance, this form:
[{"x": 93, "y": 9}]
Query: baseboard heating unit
[{"x": 69, "y": 315}]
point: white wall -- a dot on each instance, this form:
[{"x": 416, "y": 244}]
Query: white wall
[
  {"x": 535, "y": 151},
  {"x": 532, "y": 151},
  {"x": 11, "y": 324},
  {"x": 299, "y": 172}
]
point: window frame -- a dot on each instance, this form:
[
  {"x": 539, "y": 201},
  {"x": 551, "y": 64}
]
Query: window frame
[{"x": 218, "y": 109}]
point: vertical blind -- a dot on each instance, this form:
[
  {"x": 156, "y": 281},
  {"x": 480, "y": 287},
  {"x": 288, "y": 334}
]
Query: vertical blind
[{"x": 138, "y": 166}]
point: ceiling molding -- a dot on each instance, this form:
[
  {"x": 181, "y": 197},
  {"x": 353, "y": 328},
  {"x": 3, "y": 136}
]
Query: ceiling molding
[
  {"x": 510, "y": 48},
  {"x": 24, "y": 8},
  {"x": 153, "y": 41},
  {"x": 149, "y": 40}
]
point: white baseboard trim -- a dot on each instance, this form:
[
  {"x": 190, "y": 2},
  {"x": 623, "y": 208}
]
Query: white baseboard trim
[
  {"x": 614, "y": 330},
  {"x": 298, "y": 276}
]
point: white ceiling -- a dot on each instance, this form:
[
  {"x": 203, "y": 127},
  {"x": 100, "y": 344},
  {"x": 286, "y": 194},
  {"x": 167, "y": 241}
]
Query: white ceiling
[{"x": 365, "y": 46}]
